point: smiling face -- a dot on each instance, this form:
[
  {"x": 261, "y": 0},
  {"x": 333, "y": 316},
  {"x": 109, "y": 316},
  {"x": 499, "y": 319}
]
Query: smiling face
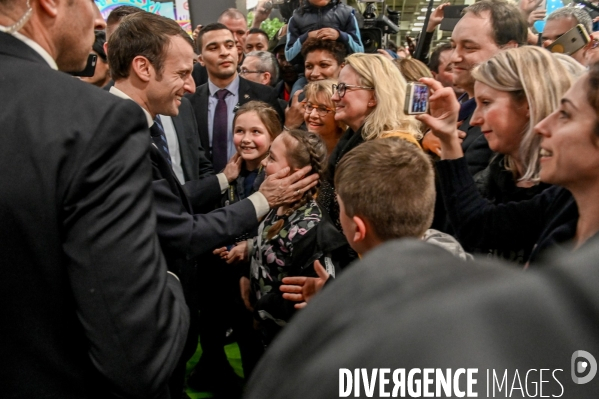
[
  {"x": 277, "y": 156},
  {"x": 501, "y": 118},
  {"x": 166, "y": 87},
  {"x": 321, "y": 125},
  {"x": 320, "y": 65},
  {"x": 219, "y": 54},
  {"x": 570, "y": 144},
  {"x": 473, "y": 44},
  {"x": 356, "y": 104},
  {"x": 251, "y": 139},
  {"x": 255, "y": 42}
]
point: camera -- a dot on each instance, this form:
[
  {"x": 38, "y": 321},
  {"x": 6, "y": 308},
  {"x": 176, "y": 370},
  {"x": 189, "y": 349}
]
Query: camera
[{"x": 375, "y": 29}]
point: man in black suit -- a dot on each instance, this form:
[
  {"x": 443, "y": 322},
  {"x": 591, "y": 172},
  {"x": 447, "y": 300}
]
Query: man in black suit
[
  {"x": 151, "y": 59},
  {"x": 219, "y": 55},
  {"x": 88, "y": 308},
  {"x": 414, "y": 306}
]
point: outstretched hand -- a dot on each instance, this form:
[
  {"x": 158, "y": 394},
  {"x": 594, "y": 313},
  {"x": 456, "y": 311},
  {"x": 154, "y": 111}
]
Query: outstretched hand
[
  {"x": 436, "y": 17},
  {"x": 444, "y": 109},
  {"x": 302, "y": 289},
  {"x": 281, "y": 189}
]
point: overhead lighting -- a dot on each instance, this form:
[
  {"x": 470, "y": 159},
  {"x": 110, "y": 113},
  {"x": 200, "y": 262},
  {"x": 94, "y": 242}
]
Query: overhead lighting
[
  {"x": 420, "y": 17},
  {"x": 418, "y": 24},
  {"x": 423, "y": 9},
  {"x": 416, "y": 30}
]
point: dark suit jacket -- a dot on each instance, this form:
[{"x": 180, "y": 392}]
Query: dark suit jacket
[
  {"x": 183, "y": 234},
  {"x": 87, "y": 307},
  {"x": 248, "y": 91},
  {"x": 409, "y": 304}
]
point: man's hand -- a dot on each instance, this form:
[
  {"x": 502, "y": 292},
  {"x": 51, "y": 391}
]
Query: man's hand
[
  {"x": 436, "y": 17},
  {"x": 327, "y": 34},
  {"x": 282, "y": 189},
  {"x": 261, "y": 13},
  {"x": 238, "y": 253},
  {"x": 294, "y": 114},
  {"x": 302, "y": 289},
  {"x": 244, "y": 287},
  {"x": 233, "y": 167},
  {"x": 196, "y": 32}
]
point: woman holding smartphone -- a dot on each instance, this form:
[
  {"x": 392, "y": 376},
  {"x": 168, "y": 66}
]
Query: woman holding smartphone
[{"x": 569, "y": 158}]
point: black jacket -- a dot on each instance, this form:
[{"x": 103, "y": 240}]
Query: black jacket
[{"x": 546, "y": 220}]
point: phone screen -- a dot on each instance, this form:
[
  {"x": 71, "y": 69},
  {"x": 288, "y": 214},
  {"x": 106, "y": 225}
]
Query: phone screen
[{"x": 419, "y": 103}]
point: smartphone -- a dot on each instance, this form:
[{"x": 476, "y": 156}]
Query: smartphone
[
  {"x": 90, "y": 68},
  {"x": 571, "y": 41},
  {"x": 416, "y": 99},
  {"x": 451, "y": 16}
]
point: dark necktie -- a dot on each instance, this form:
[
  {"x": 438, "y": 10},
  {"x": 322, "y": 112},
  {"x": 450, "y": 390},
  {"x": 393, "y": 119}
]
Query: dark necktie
[
  {"x": 159, "y": 138},
  {"x": 220, "y": 132}
]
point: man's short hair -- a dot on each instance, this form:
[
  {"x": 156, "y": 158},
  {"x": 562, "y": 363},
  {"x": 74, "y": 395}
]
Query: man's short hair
[
  {"x": 232, "y": 13},
  {"x": 337, "y": 49},
  {"x": 268, "y": 63},
  {"x": 390, "y": 183},
  {"x": 578, "y": 14},
  {"x": 115, "y": 16},
  {"x": 507, "y": 21},
  {"x": 142, "y": 34},
  {"x": 209, "y": 28},
  {"x": 259, "y": 31},
  {"x": 433, "y": 63}
]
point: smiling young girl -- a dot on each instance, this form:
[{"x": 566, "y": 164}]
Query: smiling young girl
[{"x": 292, "y": 237}]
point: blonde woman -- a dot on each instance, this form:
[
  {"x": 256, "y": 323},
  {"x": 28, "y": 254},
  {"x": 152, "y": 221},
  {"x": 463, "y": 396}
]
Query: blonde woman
[
  {"x": 514, "y": 91},
  {"x": 369, "y": 99},
  {"x": 319, "y": 112}
]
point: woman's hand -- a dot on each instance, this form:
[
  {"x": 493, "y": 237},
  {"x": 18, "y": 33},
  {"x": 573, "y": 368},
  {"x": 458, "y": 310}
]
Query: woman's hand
[
  {"x": 444, "y": 109},
  {"x": 294, "y": 114}
]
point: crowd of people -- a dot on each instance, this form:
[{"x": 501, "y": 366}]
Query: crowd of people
[{"x": 229, "y": 186}]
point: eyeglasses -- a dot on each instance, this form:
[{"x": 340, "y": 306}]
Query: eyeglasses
[
  {"x": 244, "y": 71},
  {"x": 320, "y": 110},
  {"x": 341, "y": 88}
]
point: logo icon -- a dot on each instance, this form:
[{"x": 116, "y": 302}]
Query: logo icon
[{"x": 583, "y": 362}]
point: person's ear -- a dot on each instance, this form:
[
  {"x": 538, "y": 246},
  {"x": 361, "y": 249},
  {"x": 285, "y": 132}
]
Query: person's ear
[
  {"x": 360, "y": 229},
  {"x": 510, "y": 44},
  {"x": 267, "y": 77},
  {"x": 142, "y": 68},
  {"x": 50, "y": 7},
  {"x": 372, "y": 102},
  {"x": 201, "y": 60},
  {"x": 105, "y": 46}
]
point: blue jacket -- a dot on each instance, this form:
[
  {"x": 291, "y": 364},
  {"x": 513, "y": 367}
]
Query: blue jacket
[{"x": 308, "y": 18}]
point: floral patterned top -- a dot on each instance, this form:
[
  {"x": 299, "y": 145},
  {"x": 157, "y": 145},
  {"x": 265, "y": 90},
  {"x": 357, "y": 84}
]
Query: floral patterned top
[{"x": 275, "y": 254}]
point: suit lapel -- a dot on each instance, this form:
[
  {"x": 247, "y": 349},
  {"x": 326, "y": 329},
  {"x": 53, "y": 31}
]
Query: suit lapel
[
  {"x": 162, "y": 170},
  {"x": 185, "y": 145}
]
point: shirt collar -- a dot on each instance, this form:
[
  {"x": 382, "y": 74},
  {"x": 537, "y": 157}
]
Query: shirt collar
[
  {"x": 37, "y": 48},
  {"x": 121, "y": 94},
  {"x": 233, "y": 87}
]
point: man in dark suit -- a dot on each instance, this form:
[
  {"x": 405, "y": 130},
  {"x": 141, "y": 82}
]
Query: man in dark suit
[
  {"x": 413, "y": 306},
  {"x": 151, "y": 59},
  {"x": 219, "y": 55},
  {"x": 88, "y": 308}
]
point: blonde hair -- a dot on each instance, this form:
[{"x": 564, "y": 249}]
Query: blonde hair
[
  {"x": 389, "y": 90},
  {"x": 534, "y": 75},
  {"x": 412, "y": 69},
  {"x": 325, "y": 87}
]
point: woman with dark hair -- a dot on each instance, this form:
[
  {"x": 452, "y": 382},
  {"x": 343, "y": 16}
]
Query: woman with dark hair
[
  {"x": 569, "y": 159},
  {"x": 323, "y": 60}
]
